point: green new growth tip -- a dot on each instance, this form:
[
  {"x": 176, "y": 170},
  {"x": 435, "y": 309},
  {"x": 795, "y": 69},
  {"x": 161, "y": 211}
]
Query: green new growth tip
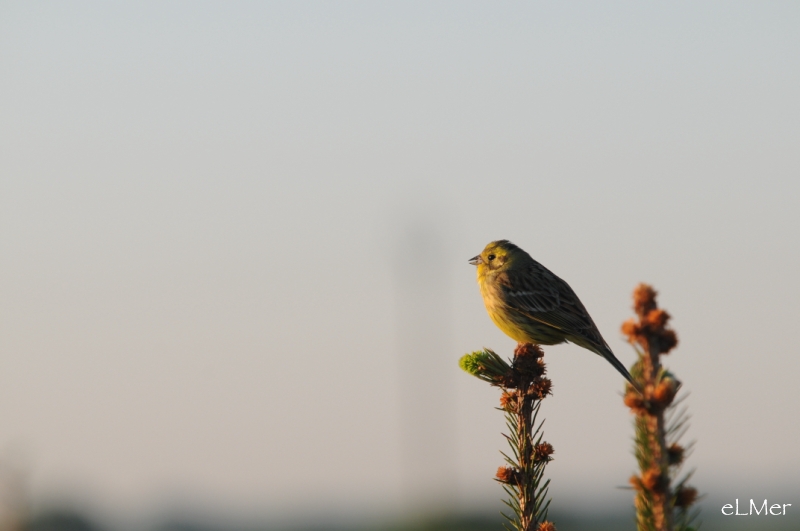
[
  {"x": 471, "y": 363},
  {"x": 486, "y": 365}
]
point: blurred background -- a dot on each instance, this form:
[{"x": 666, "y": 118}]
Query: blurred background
[{"x": 234, "y": 240}]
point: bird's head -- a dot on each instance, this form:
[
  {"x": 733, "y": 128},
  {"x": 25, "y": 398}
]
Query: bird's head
[{"x": 499, "y": 256}]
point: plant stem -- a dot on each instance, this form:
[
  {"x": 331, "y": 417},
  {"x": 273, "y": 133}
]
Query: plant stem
[{"x": 659, "y": 505}]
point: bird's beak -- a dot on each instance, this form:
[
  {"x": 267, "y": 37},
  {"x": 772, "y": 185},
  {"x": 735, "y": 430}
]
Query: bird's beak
[{"x": 475, "y": 260}]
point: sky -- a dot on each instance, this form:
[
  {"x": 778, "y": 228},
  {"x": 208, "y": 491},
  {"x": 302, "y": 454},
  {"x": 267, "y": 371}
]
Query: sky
[{"x": 234, "y": 241}]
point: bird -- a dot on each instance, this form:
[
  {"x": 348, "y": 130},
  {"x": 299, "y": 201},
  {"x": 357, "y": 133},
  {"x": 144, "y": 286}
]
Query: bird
[{"x": 530, "y": 304}]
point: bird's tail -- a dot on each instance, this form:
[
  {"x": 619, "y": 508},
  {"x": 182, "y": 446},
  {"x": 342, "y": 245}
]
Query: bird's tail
[{"x": 612, "y": 359}]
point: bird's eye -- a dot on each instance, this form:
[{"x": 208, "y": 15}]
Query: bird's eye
[{"x": 491, "y": 257}]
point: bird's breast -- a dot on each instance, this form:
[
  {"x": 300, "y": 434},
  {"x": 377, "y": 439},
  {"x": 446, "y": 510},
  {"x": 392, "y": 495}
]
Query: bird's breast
[{"x": 493, "y": 300}]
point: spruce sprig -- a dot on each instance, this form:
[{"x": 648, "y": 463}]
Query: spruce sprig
[
  {"x": 523, "y": 387},
  {"x": 663, "y": 502}
]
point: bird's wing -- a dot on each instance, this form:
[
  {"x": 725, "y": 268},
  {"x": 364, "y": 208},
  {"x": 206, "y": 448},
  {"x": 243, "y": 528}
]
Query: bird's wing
[{"x": 541, "y": 295}]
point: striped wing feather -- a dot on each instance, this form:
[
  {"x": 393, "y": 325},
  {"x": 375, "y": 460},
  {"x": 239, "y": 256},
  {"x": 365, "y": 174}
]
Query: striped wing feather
[{"x": 541, "y": 295}]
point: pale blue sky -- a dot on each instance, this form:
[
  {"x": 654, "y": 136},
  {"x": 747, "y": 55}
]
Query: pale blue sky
[{"x": 203, "y": 208}]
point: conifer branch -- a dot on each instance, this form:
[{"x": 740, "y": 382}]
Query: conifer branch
[
  {"x": 662, "y": 502},
  {"x": 523, "y": 386}
]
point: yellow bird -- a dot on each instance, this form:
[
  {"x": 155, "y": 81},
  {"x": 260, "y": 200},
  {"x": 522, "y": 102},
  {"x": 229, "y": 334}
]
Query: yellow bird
[{"x": 532, "y": 305}]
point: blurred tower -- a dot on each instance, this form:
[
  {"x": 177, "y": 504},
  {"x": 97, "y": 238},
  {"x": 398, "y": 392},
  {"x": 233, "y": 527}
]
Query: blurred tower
[
  {"x": 427, "y": 370},
  {"x": 13, "y": 492}
]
